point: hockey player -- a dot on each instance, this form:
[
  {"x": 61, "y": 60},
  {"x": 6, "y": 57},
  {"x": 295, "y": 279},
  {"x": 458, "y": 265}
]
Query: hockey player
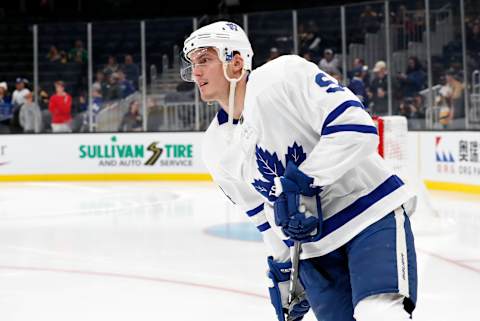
[{"x": 298, "y": 153}]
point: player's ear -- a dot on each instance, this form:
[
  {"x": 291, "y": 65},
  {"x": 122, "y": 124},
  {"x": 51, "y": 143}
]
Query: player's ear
[{"x": 237, "y": 62}]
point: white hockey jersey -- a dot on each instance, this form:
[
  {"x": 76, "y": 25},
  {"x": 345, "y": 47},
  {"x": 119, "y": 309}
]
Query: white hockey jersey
[{"x": 295, "y": 112}]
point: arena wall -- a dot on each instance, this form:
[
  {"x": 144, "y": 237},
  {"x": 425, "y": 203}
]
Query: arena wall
[{"x": 443, "y": 160}]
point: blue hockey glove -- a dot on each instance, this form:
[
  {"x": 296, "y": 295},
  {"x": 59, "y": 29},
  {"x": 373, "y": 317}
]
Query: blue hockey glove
[
  {"x": 293, "y": 218},
  {"x": 279, "y": 275}
]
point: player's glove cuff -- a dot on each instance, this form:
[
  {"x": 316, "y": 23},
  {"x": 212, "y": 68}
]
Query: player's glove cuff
[{"x": 279, "y": 277}]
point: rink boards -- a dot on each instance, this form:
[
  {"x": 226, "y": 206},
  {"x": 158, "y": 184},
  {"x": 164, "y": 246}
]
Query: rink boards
[
  {"x": 444, "y": 160},
  {"x": 102, "y": 156}
]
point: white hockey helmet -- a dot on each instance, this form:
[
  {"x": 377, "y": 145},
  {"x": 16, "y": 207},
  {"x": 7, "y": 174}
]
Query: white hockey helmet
[{"x": 226, "y": 37}]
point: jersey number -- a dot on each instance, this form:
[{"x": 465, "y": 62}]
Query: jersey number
[{"x": 322, "y": 80}]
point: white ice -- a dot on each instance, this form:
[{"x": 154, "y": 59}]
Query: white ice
[{"x": 140, "y": 251}]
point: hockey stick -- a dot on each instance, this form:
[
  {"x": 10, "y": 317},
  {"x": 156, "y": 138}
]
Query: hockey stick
[{"x": 293, "y": 295}]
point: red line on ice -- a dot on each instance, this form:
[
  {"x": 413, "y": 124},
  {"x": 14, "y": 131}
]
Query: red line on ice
[
  {"x": 133, "y": 277},
  {"x": 451, "y": 261}
]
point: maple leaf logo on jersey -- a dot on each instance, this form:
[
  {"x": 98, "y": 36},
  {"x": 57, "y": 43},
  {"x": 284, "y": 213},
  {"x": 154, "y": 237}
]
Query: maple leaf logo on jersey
[{"x": 270, "y": 167}]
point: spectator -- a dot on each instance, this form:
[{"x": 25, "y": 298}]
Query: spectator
[
  {"x": 131, "y": 70},
  {"x": 408, "y": 108},
  {"x": 443, "y": 105},
  {"x": 110, "y": 67},
  {"x": 419, "y": 103},
  {"x": 99, "y": 83},
  {"x": 126, "y": 86},
  {"x": 79, "y": 103},
  {"x": 369, "y": 20},
  {"x": 399, "y": 15},
  {"x": 63, "y": 57},
  {"x": 44, "y": 100},
  {"x": 132, "y": 120},
  {"x": 4, "y": 98},
  {"x": 359, "y": 64},
  {"x": 61, "y": 109},
  {"x": 5, "y": 103},
  {"x": 112, "y": 88},
  {"x": 78, "y": 53},
  {"x": 414, "y": 79},
  {"x": 18, "y": 99},
  {"x": 329, "y": 62},
  {"x": 456, "y": 94},
  {"x": 309, "y": 40},
  {"x": 378, "y": 90},
  {"x": 358, "y": 87},
  {"x": 97, "y": 97},
  {"x": 473, "y": 40},
  {"x": 273, "y": 54},
  {"x": 30, "y": 116},
  {"x": 53, "y": 54}
]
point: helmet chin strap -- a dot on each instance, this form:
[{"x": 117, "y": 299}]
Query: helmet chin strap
[{"x": 231, "y": 95}]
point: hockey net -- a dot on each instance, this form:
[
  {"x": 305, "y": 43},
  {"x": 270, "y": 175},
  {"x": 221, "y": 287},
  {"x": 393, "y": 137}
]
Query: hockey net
[
  {"x": 393, "y": 147},
  {"x": 393, "y": 136}
]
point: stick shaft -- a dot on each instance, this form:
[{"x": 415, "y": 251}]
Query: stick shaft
[{"x": 295, "y": 256}]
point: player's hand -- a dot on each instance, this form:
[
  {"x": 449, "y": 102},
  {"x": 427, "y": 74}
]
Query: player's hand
[
  {"x": 279, "y": 277},
  {"x": 296, "y": 222}
]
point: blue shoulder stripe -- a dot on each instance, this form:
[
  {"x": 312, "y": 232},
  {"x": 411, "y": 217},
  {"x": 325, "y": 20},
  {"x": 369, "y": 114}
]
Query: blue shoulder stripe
[
  {"x": 334, "y": 114},
  {"x": 256, "y": 210},
  {"x": 350, "y": 128}
]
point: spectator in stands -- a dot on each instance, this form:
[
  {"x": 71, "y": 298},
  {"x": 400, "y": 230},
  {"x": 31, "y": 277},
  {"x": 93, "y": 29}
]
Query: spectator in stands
[
  {"x": 113, "y": 90},
  {"x": 60, "y": 107},
  {"x": 473, "y": 40},
  {"x": 359, "y": 64},
  {"x": 399, "y": 15},
  {"x": 329, "y": 62},
  {"x": 80, "y": 103},
  {"x": 369, "y": 20},
  {"x": 309, "y": 39},
  {"x": 110, "y": 67},
  {"x": 132, "y": 121},
  {"x": 63, "y": 57},
  {"x": 78, "y": 53},
  {"x": 456, "y": 94},
  {"x": 131, "y": 70},
  {"x": 378, "y": 90},
  {"x": 126, "y": 86},
  {"x": 53, "y": 54},
  {"x": 97, "y": 96},
  {"x": 5, "y": 99},
  {"x": 443, "y": 104},
  {"x": 18, "y": 99},
  {"x": 43, "y": 100},
  {"x": 274, "y": 53},
  {"x": 411, "y": 107},
  {"x": 358, "y": 87},
  {"x": 414, "y": 79},
  {"x": 30, "y": 116},
  {"x": 100, "y": 84}
]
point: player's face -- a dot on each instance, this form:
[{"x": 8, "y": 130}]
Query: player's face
[{"x": 208, "y": 74}]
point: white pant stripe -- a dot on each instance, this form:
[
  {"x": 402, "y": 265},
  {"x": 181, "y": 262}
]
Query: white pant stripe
[{"x": 402, "y": 258}]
